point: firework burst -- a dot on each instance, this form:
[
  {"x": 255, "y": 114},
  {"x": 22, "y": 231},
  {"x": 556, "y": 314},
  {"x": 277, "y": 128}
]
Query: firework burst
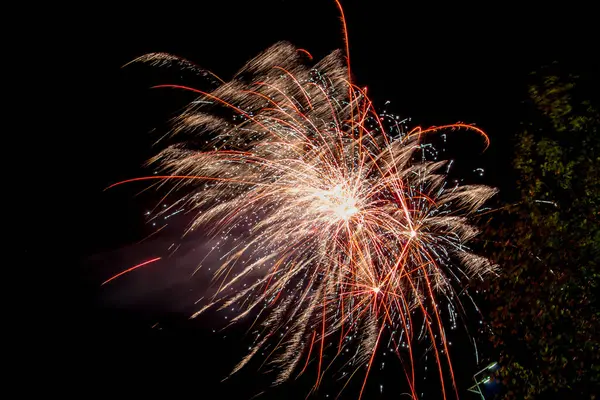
[{"x": 351, "y": 232}]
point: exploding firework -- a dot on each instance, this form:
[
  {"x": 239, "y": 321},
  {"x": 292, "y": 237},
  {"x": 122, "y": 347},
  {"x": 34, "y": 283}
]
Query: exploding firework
[{"x": 348, "y": 232}]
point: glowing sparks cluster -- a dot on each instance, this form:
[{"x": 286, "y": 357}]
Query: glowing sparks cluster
[{"x": 335, "y": 227}]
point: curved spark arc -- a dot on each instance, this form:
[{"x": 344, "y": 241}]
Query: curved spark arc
[{"x": 347, "y": 232}]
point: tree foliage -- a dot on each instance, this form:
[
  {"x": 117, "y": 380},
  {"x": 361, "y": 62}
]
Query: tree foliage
[{"x": 545, "y": 318}]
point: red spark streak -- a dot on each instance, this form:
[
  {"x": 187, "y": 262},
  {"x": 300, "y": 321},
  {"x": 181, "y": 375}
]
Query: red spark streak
[
  {"x": 130, "y": 269},
  {"x": 306, "y": 52}
]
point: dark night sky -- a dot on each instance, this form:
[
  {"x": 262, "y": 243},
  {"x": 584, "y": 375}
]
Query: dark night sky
[{"x": 436, "y": 66}]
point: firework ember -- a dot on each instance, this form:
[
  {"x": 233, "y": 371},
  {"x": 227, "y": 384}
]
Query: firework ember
[{"x": 351, "y": 232}]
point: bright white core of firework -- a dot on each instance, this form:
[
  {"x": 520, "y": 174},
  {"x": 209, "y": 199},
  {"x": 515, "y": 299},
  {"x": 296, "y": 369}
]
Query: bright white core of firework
[{"x": 339, "y": 202}]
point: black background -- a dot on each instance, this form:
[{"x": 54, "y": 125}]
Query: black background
[{"x": 436, "y": 66}]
